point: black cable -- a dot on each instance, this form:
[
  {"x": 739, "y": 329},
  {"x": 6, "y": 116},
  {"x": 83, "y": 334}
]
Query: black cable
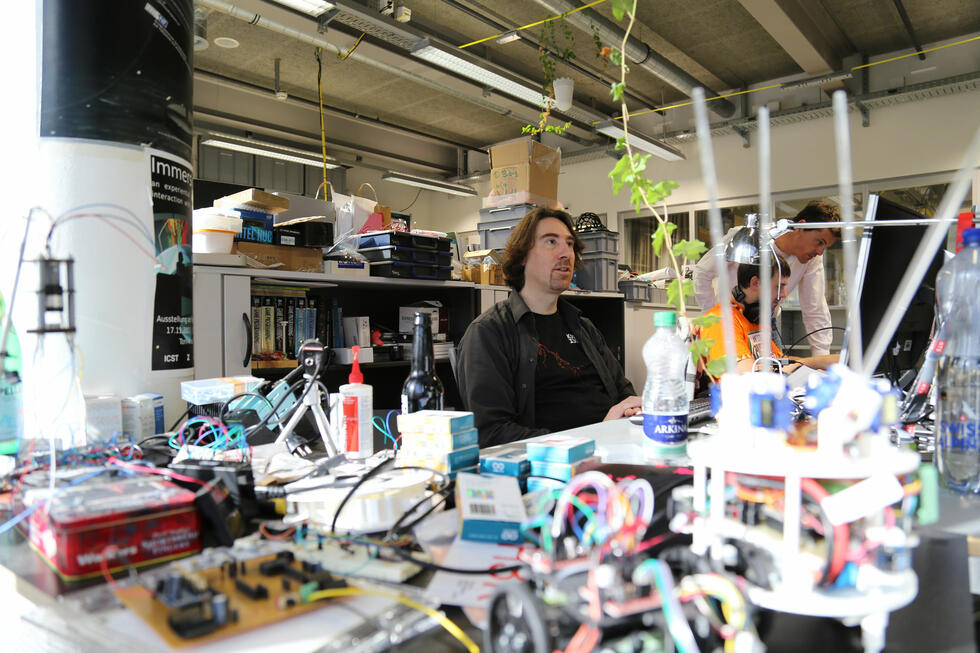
[
  {"x": 181, "y": 418},
  {"x": 225, "y": 404},
  {"x": 309, "y": 386},
  {"x": 373, "y": 472},
  {"x": 413, "y": 202},
  {"x": 807, "y": 335}
]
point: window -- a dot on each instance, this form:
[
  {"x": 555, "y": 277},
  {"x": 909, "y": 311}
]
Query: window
[
  {"x": 731, "y": 216},
  {"x": 638, "y": 240}
]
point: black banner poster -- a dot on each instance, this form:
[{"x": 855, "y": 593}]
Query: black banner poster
[{"x": 173, "y": 343}]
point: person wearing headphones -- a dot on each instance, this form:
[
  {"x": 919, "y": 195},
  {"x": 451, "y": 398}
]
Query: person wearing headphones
[
  {"x": 803, "y": 249},
  {"x": 746, "y": 317}
]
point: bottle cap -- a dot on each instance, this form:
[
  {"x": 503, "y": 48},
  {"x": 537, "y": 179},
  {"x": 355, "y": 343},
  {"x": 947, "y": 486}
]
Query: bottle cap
[
  {"x": 971, "y": 236},
  {"x": 664, "y": 318},
  {"x": 355, "y": 372}
]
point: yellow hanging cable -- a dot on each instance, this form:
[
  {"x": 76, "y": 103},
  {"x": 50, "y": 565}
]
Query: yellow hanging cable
[
  {"x": 323, "y": 132},
  {"x": 442, "y": 620},
  {"x": 770, "y": 86},
  {"x": 535, "y": 24},
  {"x": 343, "y": 57}
]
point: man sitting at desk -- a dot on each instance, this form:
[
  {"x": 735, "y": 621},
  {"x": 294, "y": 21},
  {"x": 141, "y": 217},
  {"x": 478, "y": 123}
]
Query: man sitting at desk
[
  {"x": 746, "y": 316},
  {"x": 532, "y": 364}
]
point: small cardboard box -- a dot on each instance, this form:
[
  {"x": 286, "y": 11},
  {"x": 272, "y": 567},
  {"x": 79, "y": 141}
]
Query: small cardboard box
[
  {"x": 524, "y": 165},
  {"x": 438, "y": 316},
  {"x": 254, "y": 197},
  {"x": 298, "y": 259},
  {"x": 485, "y": 267}
]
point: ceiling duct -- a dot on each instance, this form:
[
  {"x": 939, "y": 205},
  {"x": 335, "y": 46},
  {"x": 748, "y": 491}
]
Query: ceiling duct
[{"x": 638, "y": 52}]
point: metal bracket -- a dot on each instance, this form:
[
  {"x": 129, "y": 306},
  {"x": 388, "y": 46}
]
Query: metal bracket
[
  {"x": 865, "y": 113},
  {"x": 324, "y": 19},
  {"x": 744, "y": 133}
]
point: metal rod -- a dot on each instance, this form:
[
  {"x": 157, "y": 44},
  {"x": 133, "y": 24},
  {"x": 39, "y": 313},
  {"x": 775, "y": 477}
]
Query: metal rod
[
  {"x": 868, "y": 223},
  {"x": 765, "y": 264},
  {"x": 933, "y": 238},
  {"x": 845, "y": 190},
  {"x": 714, "y": 223}
]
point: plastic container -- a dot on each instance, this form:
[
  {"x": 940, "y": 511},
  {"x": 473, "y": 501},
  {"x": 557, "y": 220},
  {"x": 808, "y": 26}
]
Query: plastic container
[
  {"x": 357, "y": 399},
  {"x": 598, "y": 272},
  {"x": 497, "y": 223},
  {"x": 665, "y": 401},
  {"x": 410, "y": 271},
  {"x": 215, "y": 231},
  {"x": 636, "y": 290},
  {"x": 958, "y": 374},
  {"x": 11, "y": 390},
  {"x": 600, "y": 241},
  {"x": 209, "y": 391}
]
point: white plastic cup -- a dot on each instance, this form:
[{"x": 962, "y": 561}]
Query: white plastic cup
[{"x": 563, "y": 92}]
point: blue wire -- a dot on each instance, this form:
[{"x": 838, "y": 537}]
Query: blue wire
[{"x": 13, "y": 521}]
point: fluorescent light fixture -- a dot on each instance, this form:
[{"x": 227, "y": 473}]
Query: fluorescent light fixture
[
  {"x": 268, "y": 150},
  {"x": 508, "y": 37},
  {"x": 462, "y": 66},
  {"x": 639, "y": 141},
  {"x": 429, "y": 184},
  {"x": 311, "y": 7},
  {"x": 817, "y": 81}
]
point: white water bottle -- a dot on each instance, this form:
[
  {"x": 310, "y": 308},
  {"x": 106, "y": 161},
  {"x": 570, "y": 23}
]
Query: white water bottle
[
  {"x": 665, "y": 400},
  {"x": 958, "y": 374},
  {"x": 357, "y": 399}
]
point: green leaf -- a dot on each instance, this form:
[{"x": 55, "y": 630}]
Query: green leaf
[
  {"x": 661, "y": 191},
  {"x": 716, "y": 367},
  {"x": 620, "y": 7},
  {"x": 661, "y": 233},
  {"x": 673, "y": 290},
  {"x": 690, "y": 250},
  {"x": 621, "y": 143},
  {"x": 699, "y": 348},
  {"x": 619, "y": 173},
  {"x": 616, "y": 57},
  {"x": 617, "y": 89},
  {"x": 705, "y": 321}
]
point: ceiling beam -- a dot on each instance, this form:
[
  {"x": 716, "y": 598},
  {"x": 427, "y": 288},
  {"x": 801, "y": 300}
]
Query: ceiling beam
[{"x": 805, "y": 30}]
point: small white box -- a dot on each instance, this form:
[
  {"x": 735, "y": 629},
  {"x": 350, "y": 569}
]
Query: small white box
[
  {"x": 490, "y": 507},
  {"x": 438, "y": 316},
  {"x": 209, "y": 391},
  {"x": 345, "y": 355},
  {"x": 103, "y": 418},
  {"x": 350, "y": 268},
  {"x": 357, "y": 331},
  {"x": 142, "y": 415}
]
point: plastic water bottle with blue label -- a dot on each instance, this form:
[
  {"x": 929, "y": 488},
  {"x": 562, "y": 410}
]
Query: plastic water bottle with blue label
[
  {"x": 958, "y": 375},
  {"x": 665, "y": 400}
]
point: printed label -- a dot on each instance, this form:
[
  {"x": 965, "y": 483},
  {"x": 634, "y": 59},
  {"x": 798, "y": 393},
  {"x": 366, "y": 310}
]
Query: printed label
[
  {"x": 960, "y": 435},
  {"x": 665, "y": 428},
  {"x": 923, "y": 388},
  {"x": 938, "y": 346},
  {"x": 350, "y": 423}
]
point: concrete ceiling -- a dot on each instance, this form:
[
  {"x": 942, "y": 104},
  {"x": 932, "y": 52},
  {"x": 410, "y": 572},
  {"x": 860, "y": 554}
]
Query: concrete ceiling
[{"x": 425, "y": 117}]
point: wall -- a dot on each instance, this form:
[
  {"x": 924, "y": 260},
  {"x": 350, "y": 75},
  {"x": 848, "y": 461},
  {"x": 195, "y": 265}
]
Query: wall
[{"x": 902, "y": 140}]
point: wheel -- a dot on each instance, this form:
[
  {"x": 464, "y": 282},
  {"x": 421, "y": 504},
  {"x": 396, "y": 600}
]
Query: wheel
[{"x": 516, "y": 621}]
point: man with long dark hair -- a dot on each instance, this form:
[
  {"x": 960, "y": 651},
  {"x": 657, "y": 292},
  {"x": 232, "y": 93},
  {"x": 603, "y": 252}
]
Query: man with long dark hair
[{"x": 532, "y": 364}]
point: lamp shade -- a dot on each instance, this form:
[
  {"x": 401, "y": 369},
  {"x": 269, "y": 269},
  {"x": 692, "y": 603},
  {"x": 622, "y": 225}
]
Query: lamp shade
[{"x": 744, "y": 245}]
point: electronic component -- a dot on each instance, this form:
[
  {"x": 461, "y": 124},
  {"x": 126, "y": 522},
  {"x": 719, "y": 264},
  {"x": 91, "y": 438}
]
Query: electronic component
[
  {"x": 490, "y": 508},
  {"x": 560, "y": 449}
]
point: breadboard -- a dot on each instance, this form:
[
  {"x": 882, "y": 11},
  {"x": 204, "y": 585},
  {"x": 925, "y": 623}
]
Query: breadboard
[{"x": 252, "y": 613}]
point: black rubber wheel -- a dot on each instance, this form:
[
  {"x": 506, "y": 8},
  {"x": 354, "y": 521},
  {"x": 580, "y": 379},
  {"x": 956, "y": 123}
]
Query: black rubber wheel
[{"x": 516, "y": 622}]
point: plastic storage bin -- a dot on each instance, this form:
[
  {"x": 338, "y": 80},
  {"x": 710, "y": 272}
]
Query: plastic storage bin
[
  {"x": 403, "y": 239},
  {"x": 598, "y": 272},
  {"x": 636, "y": 290},
  {"x": 496, "y": 224},
  {"x": 600, "y": 241},
  {"x": 407, "y": 255},
  {"x": 410, "y": 271}
]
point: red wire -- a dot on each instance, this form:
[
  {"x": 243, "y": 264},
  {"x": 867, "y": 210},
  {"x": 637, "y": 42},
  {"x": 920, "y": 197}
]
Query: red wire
[
  {"x": 153, "y": 470},
  {"x": 842, "y": 533}
]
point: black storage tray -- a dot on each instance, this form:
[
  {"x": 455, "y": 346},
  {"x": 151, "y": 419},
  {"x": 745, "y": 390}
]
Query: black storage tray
[
  {"x": 404, "y": 239},
  {"x": 400, "y": 270},
  {"x": 407, "y": 255}
]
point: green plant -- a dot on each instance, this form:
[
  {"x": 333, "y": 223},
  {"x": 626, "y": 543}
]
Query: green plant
[
  {"x": 646, "y": 194},
  {"x": 550, "y": 50}
]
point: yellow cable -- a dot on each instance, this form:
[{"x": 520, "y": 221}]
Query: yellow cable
[
  {"x": 343, "y": 57},
  {"x": 765, "y": 88},
  {"x": 912, "y": 54},
  {"x": 323, "y": 132},
  {"x": 442, "y": 620},
  {"x": 535, "y": 24}
]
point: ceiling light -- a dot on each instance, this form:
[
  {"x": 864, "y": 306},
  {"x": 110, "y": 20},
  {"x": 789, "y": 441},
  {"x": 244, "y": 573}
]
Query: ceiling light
[
  {"x": 200, "y": 30},
  {"x": 424, "y": 49},
  {"x": 226, "y": 42},
  {"x": 430, "y": 184},
  {"x": 640, "y": 142},
  {"x": 268, "y": 150},
  {"x": 312, "y": 7},
  {"x": 508, "y": 37}
]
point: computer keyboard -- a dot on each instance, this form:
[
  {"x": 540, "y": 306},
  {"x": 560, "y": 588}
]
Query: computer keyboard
[{"x": 699, "y": 411}]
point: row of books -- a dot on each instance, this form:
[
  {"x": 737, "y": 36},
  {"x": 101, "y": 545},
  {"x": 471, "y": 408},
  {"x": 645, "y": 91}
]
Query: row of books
[{"x": 283, "y": 317}]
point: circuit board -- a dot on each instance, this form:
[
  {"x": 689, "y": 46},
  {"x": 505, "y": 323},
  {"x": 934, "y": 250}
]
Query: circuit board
[{"x": 197, "y": 607}]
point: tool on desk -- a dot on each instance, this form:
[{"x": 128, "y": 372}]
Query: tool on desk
[{"x": 312, "y": 357}]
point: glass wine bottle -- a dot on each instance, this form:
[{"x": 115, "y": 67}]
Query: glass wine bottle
[{"x": 423, "y": 389}]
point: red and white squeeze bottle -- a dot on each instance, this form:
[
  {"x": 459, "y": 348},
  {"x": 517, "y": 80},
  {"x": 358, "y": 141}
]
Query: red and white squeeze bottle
[{"x": 357, "y": 404}]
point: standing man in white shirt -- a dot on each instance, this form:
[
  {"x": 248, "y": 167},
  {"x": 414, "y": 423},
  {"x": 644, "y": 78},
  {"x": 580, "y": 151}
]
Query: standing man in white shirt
[{"x": 803, "y": 249}]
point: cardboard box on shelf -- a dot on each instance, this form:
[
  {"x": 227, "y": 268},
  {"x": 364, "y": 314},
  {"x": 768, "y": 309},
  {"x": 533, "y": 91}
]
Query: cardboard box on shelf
[
  {"x": 484, "y": 266},
  {"x": 523, "y": 165},
  {"x": 254, "y": 197},
  {"x": 438, "y": 316},
  {"x": 298, "y": 259}
]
